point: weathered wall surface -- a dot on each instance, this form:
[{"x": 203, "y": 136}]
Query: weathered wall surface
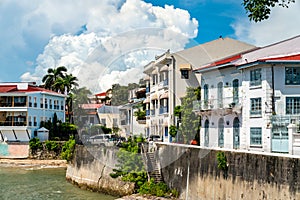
[
  {"x": 14, "y": 150},
  {"x": 91, "y": 167},
  {"x": 194, "y": 173}
]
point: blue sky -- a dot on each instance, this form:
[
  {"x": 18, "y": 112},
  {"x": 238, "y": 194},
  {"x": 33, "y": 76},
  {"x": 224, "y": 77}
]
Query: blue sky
[{"x": 104, "y": 41}]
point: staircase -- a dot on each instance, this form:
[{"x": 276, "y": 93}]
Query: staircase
[
  {"x": 151, "y": 163},
  {"x": 153, "y": 167}
]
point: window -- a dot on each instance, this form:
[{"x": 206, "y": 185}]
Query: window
[
  {"x": 292, "y": 75},
  {"x": 220, "y": 95},
  {"x": 255, "y": 77},
  {"x": 154, "y": 79},
  {"x": 46, "y": 103},
  {"x": 29, "y": 121},
  {"x": 41, "y": 101},
  {"x": 184, "y": 74},
  {"x": 62, "y": 105},
  {"x": 292, "y": 105},
  {"x": 50, "y": 103},
  {"x": 235, "y": 91},
  {"x": 206, "y": 133},
  {"x": 34, "y": 121},
  {"x": 30, "y": 101},
  {"x": 205, "y": 96},
  {"x": 255, "y": 136},
  {"x": 115, "y": 122},
  {"x": 34, "y": 102},
  {"x": 255, "y": 108}
]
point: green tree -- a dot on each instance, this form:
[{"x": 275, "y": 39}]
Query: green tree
[
  {"x": 120, "y": 93},
  {"x": 259, "y": 10},
  {"x": 190, "y": 122},
  {"x": 79, "y": 97},
  {"x": 50, "y": 79}
]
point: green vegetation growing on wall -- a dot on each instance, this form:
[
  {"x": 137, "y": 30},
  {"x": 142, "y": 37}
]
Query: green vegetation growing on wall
[
  {"x": 131, "y": 168},
  {"x": 222, "y": 163}
]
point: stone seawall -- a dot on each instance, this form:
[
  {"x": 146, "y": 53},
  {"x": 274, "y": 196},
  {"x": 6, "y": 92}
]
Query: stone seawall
[
  {"x": 90, "y": 170},
  {"x": 194, "y": 173}
]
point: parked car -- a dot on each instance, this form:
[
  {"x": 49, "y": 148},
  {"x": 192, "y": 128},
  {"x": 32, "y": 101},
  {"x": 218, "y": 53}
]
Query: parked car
[
  {"x": 154, "y": 138},
  {"x": 101, "y": 139}
]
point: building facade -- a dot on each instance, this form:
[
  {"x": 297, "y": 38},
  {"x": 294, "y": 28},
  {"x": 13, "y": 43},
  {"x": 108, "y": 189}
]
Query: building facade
[
  {"x": 170, "y": 74},
  {"x": 251, "y": 100},
  {"x": 23, "y": 106}
]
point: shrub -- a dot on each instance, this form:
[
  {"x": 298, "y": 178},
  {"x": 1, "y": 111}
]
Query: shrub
[
  {"x": 35, "y": 144},
  {"x": 51, "y": 145},
  {"x": 68, "y": 149},
  {"x": 157, "y": 189},
  {"x": 222, "y": 163}
]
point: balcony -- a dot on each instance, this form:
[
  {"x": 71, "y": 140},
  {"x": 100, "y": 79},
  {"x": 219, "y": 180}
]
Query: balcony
[
  {"x": 226, "y": 104},
  {"x": 12, "y": 123}
]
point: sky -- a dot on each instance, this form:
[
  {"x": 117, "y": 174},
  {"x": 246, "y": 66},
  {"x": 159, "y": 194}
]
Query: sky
[{"x": 103, "y": 42}]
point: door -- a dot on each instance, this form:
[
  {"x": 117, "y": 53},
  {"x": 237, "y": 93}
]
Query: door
[
  {"x": 236, "y": 133},
  {"x": 280, "y": 137}
]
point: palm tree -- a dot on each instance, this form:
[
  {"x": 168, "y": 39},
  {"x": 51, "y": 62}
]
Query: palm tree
[
  {"x": 52, "y": 76},
  {"x": 66, "y": 83}
]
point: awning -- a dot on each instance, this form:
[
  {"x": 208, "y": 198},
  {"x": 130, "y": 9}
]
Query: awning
[
  {"x": 147, "y": 100},
  {"x": 164, "y": 68},
  {"x": 154, "y": 71},
  {"x": 185, "y": 66},
  {"x": 154, "y": 96},
  {"x": 164, "y": 96}
]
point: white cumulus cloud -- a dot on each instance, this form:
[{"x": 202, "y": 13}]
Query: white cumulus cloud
[
  {"x": 101, "y": 41},
  {"x": 282, "y": 24}
]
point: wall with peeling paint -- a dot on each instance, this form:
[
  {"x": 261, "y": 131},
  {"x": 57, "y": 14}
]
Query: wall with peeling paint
[{"x": 194, "y": 173}]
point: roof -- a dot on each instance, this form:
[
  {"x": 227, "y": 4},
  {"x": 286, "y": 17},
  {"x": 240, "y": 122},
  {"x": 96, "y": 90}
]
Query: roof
[
  {"x": 91, "y": 106},
  {"x": 102, "y": 94},
  {"x": 23, "y": 88},
  {"x": 212, "y": 51},
  {"x": 219, "y": 63},
  {"x": 286, "y": 50}
]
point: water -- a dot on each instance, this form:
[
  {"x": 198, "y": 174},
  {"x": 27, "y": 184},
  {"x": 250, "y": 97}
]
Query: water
[{"x": 39, "y": 184}]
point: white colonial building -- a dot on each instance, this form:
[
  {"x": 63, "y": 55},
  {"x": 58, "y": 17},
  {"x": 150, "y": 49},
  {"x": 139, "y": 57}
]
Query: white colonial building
[
  {"x": 251, "y": 100},
  {"x": 169, "y": 75}
]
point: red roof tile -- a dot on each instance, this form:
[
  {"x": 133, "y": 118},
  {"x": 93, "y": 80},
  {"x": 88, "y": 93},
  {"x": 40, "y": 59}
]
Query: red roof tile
[
  {"x": 14, "y": 88},
  {"x": 91, "y": 106},
  {"x": 291, "y": 57},
  {"x": 101, "y": 94}
]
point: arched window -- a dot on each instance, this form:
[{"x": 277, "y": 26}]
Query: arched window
[
  {"x": 205, "y": 96},
  {"x": 206, "y": 133},
  {"x": 235, "y": 91},
  {"x": 221, "y": 132},
  {"x": 236, "y": 133},
  {"x": 220, "y": 95}
]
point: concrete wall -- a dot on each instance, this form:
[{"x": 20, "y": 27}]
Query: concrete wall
[
  {"x": 14, "y": 150},
  {"x": 90, "y": 169},
  {"x": 250, "y": 176}
]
